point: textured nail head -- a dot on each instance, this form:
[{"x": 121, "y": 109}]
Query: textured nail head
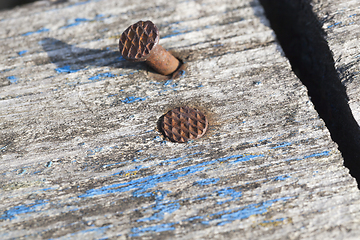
[
  {"x": 182, "y": 124},
  {"x": 139, "y": 42}
]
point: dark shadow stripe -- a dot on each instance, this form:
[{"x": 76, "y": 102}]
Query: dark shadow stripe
[{"x": 302, "y": 39}]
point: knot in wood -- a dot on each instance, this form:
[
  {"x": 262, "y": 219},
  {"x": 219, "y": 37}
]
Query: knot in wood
[
  {"x": 138, "y": 40},
  {"x": 183, "y": 124}
]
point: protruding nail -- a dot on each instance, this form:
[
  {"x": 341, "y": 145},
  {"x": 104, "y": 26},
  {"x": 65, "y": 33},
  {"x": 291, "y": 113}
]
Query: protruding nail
[{"x": 139, "y": 42}]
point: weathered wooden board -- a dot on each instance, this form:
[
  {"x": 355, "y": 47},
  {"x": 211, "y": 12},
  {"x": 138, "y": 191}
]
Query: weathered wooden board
[
  {"x": 341, "y": 23},
  {"x": 81, "y": 157}
]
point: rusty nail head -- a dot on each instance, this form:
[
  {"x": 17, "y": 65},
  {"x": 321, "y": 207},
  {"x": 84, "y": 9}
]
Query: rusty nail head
[
  {"x": 183, "y": 124},
  {"x": 139, "y": 42}
]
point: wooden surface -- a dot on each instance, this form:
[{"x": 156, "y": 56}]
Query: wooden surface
[
  {"x": 81, "y": 157},
  {"x": 341, "y": 25}
]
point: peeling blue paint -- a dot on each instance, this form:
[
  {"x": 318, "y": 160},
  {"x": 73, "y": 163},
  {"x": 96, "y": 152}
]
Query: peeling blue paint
[
  {"x": 208, "y": 181},
  {"x": 141, "y": 185},
  {"x": 219, "y": 218},
  {"x": 13, "y": 79},
  {"x": 22, "y": 52},
  {"x": 325, "y": 153},
  {"x": 35, "y": 32},
  {"x": 78, "y": 21},
  {"x": 224, "y": 217},
  {"x": 275, "y": 220},
  {"x": 228, "y": 192},
  {"x": 133, "y": 99},
  {"x": 47, "y": 189},
  {"x": 102, "y": 76},
  {"x": 281, "y": 178},
  {"x": 281, "y": 145},
  {"x": 21, "y": 209},
  {"x": 119, "y": 59},
  {"x": 335, "y": 24},
  {"x": 66, "y": 69}
]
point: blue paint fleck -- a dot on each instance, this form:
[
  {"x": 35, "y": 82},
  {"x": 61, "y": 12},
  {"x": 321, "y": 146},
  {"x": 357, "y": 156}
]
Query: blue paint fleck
[
  {"x": 208, "y": 181},
  {"x": 66, "y": 69},
  {"x": 281, "y": 178},
  {"x": 38, "y": 31},
  {"x": 141, "y": 185},
  {"x": 168, "y": 82},
  {"x": 335, "y": 24},
  {"x": 21, "y": 209},
  {"x": 48, "y": 164},
  {"x": 228, "y": 192},
  {"x": 47, "y": 189},
  {"x": 182, "y": 73},
  {"x": 22, "y": 52},
  {"x": 102, "y": 76},
  {"x": 132, "y": 99},
  {"x": 194, "y": 218},
  {"x": 276, "y": 220},
  {"x": 224, "y": 217},
  {"x": 81, "y": 20},
  {"x": 325, "y": 153},
  {"x": 120, "y": 59},
  {"x": 239, "y": 158},
  {"x": 280, "y": 145},
  {"x": 13, "y": 79},
  {"x": 77, "y": 22}
]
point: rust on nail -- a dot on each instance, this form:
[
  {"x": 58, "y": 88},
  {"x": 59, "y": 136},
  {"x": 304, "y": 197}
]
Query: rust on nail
[
  {"x": 140, "y": 42},
  {"x": 182, "y": 124}
]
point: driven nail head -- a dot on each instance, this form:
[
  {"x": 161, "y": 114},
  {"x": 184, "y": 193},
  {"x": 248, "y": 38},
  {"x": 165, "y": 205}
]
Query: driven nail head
[{"x": 137, "y": 41}]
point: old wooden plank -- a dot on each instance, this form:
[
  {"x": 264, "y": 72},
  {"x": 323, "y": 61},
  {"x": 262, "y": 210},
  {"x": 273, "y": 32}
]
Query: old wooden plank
[
  {"x": 341, "y": 21},
  {"x": 81, "y": 156}
]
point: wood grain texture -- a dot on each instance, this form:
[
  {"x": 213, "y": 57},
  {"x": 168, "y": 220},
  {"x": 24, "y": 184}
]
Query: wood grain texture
[
  {"x": 341, "y": 21},
  {"x": 81, "y": 156}
]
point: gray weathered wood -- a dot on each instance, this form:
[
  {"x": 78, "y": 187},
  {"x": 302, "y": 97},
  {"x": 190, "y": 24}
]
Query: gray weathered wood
[
  {"x": 341, "y": 25},
  {"x": 81, "y": 157}
]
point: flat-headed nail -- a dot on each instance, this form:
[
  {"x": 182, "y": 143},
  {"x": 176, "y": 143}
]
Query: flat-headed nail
[{"x": 183, "y": 124}]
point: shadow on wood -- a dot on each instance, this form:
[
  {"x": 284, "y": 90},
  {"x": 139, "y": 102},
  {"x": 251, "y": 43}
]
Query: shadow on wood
[{"x": 70, "y": 58}]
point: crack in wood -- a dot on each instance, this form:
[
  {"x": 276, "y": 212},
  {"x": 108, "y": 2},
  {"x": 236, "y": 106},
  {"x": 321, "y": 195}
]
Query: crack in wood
[{"x": 302, "y": 39}]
